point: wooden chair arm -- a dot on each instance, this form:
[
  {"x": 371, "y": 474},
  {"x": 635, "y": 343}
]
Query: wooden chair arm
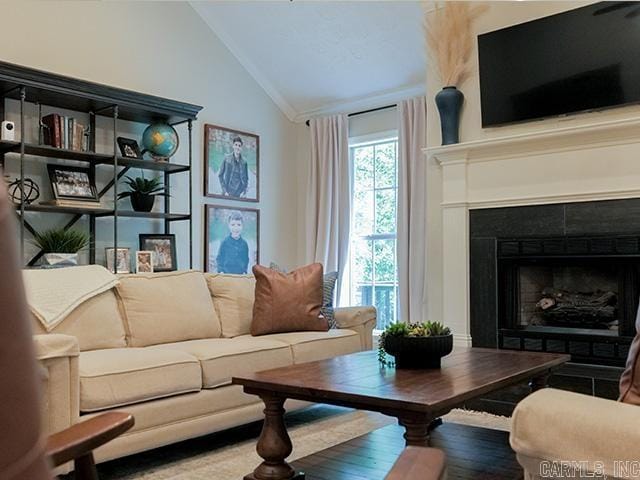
[
  {"x": 80, "y": 439},
  {"x": 418, "y": 463}
]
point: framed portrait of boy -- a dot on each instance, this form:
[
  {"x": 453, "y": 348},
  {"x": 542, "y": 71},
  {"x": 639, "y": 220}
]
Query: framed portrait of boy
[
  {"x": 163, "y": 248},
  {"x": 232, "y": 164},
  {"x": 232, "y": 239}
]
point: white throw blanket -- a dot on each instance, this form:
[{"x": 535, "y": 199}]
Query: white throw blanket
[{"x": 53, "y": 294}]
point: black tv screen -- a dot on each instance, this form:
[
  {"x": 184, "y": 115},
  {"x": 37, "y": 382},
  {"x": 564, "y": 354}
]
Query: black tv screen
[{"x": 583, "y": 59}]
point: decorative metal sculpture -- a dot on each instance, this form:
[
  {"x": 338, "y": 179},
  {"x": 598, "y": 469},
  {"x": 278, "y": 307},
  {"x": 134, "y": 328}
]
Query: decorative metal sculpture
[{"x": 31, "y": 191}]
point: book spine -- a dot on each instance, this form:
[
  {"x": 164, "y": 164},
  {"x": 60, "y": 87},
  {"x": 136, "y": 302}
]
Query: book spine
[
  {"x": 65, "y": 132},
  {"x": 71, "y": 132},
  {"x": 57, "y": 141}
]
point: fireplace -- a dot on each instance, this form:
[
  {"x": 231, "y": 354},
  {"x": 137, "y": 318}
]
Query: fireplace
[{"x": 540, "y": 283}]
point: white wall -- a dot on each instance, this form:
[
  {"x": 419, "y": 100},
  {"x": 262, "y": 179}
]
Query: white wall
[{"x": 165, "y": 49}]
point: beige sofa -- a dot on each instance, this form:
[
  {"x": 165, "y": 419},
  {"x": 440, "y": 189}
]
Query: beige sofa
[{"x": 164, "y": 347}]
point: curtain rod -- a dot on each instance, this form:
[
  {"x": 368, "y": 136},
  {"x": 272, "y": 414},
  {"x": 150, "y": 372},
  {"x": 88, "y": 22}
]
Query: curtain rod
[{"x": 366, "y": 111}]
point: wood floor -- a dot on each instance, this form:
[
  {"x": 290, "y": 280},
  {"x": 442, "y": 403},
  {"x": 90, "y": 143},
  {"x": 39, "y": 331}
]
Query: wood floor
[{"x": 472, "y": 453}]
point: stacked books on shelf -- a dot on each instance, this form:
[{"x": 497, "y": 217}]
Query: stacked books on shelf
[{"x": 64, "y": 132}]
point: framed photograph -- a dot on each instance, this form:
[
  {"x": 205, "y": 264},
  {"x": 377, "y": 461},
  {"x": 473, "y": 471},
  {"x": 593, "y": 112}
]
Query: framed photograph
[
  {"x": 232, "y": 164},
  {"x": 144, "y": 261},
  {"x": 129, "y": 148},
  {"x": 163, "y": 248},
  {"x": 232, "y": 239},
  {"x": 72, "y": 183},
  {"x": 123, "y": 259}
]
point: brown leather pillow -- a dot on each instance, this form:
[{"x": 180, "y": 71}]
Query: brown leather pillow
[
  {"x": 630, "y": 379},
  {"x": 288, "y": 302}
]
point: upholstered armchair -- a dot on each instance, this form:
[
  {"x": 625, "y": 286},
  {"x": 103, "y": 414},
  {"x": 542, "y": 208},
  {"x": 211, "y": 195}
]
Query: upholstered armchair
[{"x": 559, "y": 434}]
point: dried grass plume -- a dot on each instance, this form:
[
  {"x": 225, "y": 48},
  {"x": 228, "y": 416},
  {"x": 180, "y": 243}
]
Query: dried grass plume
[{"x": 450, "y": 39}]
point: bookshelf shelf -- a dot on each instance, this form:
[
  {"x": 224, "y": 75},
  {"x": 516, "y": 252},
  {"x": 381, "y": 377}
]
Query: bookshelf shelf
[
  {"x": 48, "y": 152},
  {"x": 28, "y": 85}
]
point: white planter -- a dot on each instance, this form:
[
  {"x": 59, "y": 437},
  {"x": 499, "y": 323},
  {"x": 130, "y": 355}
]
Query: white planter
[{"x": 60, "y": 259}]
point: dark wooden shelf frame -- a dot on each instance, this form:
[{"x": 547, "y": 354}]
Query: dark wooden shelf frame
[{"x": 44, "y": 88}]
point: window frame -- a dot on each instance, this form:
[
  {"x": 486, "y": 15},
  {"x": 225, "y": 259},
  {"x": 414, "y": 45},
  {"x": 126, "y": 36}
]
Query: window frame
[{"x": 362, "y": 141}]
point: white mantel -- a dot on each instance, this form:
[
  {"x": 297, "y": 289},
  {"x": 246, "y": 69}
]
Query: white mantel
[{"x": 600, "y": 161}]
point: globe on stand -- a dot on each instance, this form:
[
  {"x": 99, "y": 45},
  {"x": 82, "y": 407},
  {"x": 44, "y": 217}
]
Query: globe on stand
[{"x": 161, "y": 141}]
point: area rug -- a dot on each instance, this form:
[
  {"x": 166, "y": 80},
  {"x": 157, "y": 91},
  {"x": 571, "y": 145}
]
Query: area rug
[{"x": 311, "y": 430}]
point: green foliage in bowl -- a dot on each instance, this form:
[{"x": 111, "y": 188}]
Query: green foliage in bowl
[
  {"x": 58, "y": 240},
  {"x": 143, "y": 186},
  {"x": 423, "y": 329}
]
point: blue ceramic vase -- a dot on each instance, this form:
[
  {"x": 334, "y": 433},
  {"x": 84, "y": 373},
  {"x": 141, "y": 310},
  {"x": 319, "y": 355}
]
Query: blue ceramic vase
[{"x": 449, "y": 101}]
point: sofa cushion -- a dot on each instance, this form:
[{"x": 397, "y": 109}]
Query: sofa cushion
[
  {"x": 223, "y": 358},
  {"x": 288, "y": 302},
  {"x": 121, "y": 376},
  {"x": 96, "y": 323},
  {"x": 233, "y": 299},
  {"x": 167, "y": 307},
  {"x": 312, "y": 346}
]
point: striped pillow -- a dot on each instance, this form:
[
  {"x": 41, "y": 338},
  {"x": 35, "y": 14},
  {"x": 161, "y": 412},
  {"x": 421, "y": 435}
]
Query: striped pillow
[{"x": 328, "y": 291}]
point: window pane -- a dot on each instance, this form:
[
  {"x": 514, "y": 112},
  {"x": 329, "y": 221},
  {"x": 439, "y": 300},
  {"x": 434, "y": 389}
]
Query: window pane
[
  {"x": 362, "y": 268},
  {"x": 363, "y": 168},
  {"x": 385, "y": 165},
  {"x": 385, "y": 302},
  {"x": 363, "y": 212},
  {"x": 386, "y": 211},
  {"x": 385, "y": 260}
]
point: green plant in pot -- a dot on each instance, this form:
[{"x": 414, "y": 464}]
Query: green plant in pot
[
  {"x": 415, "y": 345},
  {"x": 143, "y": 192},
  {"x": 60, "y": 246}
]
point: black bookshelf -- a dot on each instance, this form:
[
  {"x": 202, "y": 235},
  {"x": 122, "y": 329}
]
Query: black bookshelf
[{"x": 29, "y": 85}]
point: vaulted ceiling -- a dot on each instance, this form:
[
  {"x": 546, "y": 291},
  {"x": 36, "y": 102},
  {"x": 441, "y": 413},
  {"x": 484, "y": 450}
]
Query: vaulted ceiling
[{"x": 316, "y": 57}]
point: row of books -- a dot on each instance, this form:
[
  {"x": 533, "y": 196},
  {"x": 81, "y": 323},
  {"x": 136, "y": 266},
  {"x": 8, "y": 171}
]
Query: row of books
[{"x": 64, "y": 132}]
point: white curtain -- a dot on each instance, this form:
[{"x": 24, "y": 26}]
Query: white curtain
[
  {"x": 328, "y": 210},
  {"x": 412, "y": 210}
]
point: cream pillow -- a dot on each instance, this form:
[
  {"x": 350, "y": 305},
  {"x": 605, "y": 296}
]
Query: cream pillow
[
  {"x": 96, "y": 323},
  {"x": 233, "y": 298},
  {"x": 167, "y": 307}
]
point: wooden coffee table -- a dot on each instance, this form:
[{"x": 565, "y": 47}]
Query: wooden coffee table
[{"x": 415, "y": 397}]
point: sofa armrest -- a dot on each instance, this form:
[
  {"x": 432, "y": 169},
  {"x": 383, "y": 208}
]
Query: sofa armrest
[
  {"x": 554, "y": 425},
  {"x": 359, "y": 319},
  {"x": 58, "y": 358}
]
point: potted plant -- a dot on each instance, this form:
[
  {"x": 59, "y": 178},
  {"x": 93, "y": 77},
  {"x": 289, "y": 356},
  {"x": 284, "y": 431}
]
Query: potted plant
[
  {"x": 415, "y": 345},
  {"x": 61, "y": 246},
  {"x": 143, "y": 192}
]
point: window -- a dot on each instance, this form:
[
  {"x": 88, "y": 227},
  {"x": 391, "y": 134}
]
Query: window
[{"x": 373, "y": 278}]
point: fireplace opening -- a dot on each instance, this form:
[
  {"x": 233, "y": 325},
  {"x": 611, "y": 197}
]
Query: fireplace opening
[
  {"x": 578, "y": 298},
  {"x": 577, "y": 295}
]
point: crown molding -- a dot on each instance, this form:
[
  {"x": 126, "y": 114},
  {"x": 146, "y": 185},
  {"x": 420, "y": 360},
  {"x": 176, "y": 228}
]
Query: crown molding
[
  {"x": 248, "y": 65},
  {"x": 364, "y": 102}
]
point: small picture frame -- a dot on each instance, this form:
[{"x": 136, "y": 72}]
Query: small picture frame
[
  {"x": 129, "y": 147},
  {"x": 123, "y": 263},
  {"x": 144, "y": 261},
  {"x": 163, "y": 248},
  {"x": 72, "y": 183}
]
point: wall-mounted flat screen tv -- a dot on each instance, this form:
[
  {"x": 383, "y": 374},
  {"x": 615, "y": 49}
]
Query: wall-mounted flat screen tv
[{"x": 583, "y": 59}]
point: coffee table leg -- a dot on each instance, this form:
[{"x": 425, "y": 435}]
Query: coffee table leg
[
  {"x": 539, "y": 382},
  {"x": 274, "y": 444},
  {"x": 416, "y": 429}
]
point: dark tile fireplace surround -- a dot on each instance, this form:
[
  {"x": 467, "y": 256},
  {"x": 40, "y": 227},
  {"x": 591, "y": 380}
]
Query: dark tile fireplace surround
[{"x": 557, "y": 278}]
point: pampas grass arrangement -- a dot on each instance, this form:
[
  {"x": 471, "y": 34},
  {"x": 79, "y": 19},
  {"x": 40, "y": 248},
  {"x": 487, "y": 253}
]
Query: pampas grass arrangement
[{"x": 450, "y": 39}]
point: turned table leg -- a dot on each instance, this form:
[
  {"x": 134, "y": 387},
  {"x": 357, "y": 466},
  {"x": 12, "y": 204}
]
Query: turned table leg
[
  {"x": 417, "y": 429},
  {"x": 539, "y": 382},
  {"x": 274, "y": 444}
]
